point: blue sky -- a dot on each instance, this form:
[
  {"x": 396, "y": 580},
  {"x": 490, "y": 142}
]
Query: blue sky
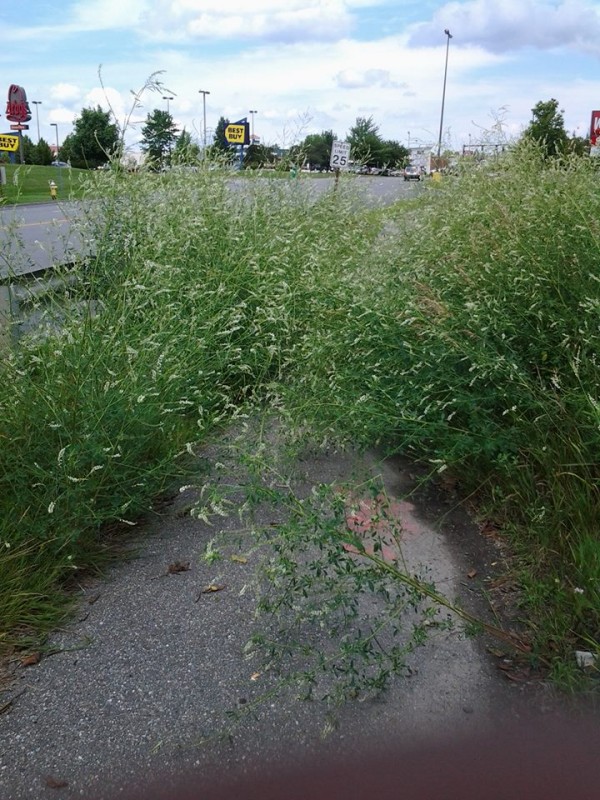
[{"x": 308, "y": 65}]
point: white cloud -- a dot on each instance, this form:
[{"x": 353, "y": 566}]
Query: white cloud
[
  {"x": 508, "y": 25},
  {"x": 109, "y": 100},
  {"x": 363, "y": 79},
  {"x": 106, "y": 14},
  {"x": 269, "y": 20},
  {"x": 65, "y": 92},
  {"x": 62, "y": 116}
]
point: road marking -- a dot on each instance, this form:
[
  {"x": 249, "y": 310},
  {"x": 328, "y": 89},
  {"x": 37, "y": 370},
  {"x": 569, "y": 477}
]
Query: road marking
[{"x": 33, "y": 224}]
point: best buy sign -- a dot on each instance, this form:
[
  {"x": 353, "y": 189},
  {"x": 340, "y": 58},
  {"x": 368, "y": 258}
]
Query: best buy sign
[
  {"x": 8, "y": 142},
  {"x": 238, "y": 133}
]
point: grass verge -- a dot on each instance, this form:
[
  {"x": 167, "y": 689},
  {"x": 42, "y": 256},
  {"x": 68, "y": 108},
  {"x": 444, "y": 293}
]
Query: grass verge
[{"x": 30, "y": 184}]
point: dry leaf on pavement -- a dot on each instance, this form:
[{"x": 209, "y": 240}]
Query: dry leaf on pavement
[
  {"x": 31, "y": 659},
  {"x": 178, "y": 566},
  {"x": 55, "y": 783}
]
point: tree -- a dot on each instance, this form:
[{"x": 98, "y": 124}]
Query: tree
[
  {"x": 316, "y": 149},
  {"x": 257, "y": 155},
  {"x": 43, "y": 153},
  {"x": 365, "y": 142},
  {"x": 186, "y": 151},
  {"x": 547, "y": 128},
  {"x": 159, "y": 136},
  {"x": 392, "y": 154},
  {"x": 578, "y": 145},
  {"x": 220, "y": 150},
  {"x": 220, "y": 143},
  {"x": 28, "y": 149},
  {"x": 94, "y": 139}
]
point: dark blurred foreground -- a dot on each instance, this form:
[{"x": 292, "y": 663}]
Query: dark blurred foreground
[{"x": 536, "y": 760}]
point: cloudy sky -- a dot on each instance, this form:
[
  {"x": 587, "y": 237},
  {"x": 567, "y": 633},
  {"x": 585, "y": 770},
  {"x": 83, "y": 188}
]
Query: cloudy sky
[{"x": 307, "y": 65}]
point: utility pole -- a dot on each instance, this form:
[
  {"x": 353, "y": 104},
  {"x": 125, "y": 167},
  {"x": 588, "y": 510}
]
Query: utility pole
[
  {"x": 37, "y": 103},
  {"x": 55, "y": 125},
  {"x": 203, "y": 92},
  {"x": 439, "y": 148},
  {"x": 60, "y": 180}
]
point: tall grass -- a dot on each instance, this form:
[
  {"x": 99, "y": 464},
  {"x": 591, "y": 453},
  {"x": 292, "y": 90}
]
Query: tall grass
[
  {"x": 465, "y": 332},
  {"x": 187, "y": 312}
]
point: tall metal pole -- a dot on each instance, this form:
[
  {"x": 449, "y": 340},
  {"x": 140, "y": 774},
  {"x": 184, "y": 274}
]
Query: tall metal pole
[
  {"x": 167, "y": 98},
  {"x": 37, "y": 103},
  {"x": 439, "y": 148},
  {"x": 203, "y": 92},
  {"x": 253, "y": 112},
  {"x": 55, "y": 125}
]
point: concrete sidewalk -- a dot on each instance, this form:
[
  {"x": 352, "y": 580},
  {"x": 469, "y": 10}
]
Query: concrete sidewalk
[{"x": 152, "y": 664}]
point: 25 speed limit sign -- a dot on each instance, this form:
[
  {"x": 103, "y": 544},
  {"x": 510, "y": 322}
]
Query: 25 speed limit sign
[{"x": 340, "y": 155}]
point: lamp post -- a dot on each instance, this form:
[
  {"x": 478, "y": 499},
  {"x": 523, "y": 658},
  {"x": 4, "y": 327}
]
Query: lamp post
[
  {"x": 253, "y": 112},
  {"x": 167, "y": 98},
  {"x": 203, "y": 92},
  {"x": 37, "y": 103},
  {"x": 439, "y": 147},
  {"x": 55, "y": 125}
]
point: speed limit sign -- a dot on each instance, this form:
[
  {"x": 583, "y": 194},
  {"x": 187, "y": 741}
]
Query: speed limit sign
[{"x": 340, "y": 155}]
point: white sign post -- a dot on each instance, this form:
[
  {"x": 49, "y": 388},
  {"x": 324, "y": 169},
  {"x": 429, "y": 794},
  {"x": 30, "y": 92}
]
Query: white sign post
[
  {"x": 339, "y": 159},
  {"x": 340, "y": 155}
]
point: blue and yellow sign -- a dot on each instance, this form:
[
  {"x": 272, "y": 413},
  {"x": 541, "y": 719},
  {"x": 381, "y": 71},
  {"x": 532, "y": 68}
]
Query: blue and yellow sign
[
  {"x": 8, "y": 142},
  {"x": 238, "y": 133}
]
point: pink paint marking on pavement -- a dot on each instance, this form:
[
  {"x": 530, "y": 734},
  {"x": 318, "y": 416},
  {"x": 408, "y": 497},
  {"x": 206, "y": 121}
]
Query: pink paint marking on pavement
[{"x": 380, "y": 524}]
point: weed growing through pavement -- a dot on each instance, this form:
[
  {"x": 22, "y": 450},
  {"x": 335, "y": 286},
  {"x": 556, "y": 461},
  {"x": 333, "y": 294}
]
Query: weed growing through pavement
[
  {"x": 332, "y": 624},
  {"x": 339, "y": 609}
]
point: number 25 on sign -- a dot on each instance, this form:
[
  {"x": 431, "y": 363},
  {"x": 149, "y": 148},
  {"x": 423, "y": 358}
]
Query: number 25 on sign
[{"x": 340, "y": 155}]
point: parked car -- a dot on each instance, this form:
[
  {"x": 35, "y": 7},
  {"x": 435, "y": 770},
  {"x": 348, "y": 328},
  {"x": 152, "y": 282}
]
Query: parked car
[
  {"x": 60, "y": 164},
  {"x": 412, "y": 173}
]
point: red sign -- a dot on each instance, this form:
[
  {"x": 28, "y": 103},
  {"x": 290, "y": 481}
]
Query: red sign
[
  {"x": 595, "y": 128},
  {"x": 19, "y": 127},
  {"x": 17, "y": 107}
]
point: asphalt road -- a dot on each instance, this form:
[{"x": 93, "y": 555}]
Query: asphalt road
[{"x": 35, "y": 237}]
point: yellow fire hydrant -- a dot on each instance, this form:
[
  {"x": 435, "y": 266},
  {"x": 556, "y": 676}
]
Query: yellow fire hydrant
[{"x": 52, "y": 189}]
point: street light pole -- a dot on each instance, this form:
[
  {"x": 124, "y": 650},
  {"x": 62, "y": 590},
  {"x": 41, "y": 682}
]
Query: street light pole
[
  {"x": 253, "y": 112},
  {"x": 167, "y": 98},
  {"x": 37, "y": 103},
  {"x": 203, "y": 92},
  {"x": 55, "y": 125},
  {"x": 439, "y": 148}
]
